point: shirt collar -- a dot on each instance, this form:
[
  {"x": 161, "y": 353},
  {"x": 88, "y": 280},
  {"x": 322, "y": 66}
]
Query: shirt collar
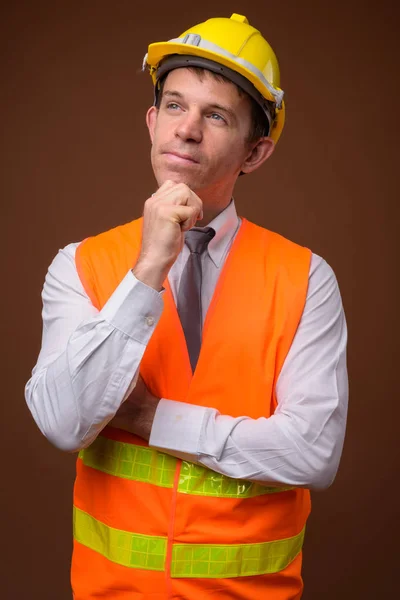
[{"x": 225, "y": 226}]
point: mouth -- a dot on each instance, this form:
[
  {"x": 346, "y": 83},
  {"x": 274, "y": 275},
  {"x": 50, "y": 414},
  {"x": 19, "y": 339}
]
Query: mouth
[{"x": 180, "y": 157}]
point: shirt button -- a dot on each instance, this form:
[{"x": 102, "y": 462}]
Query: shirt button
[{"x": 150, "y": 321}]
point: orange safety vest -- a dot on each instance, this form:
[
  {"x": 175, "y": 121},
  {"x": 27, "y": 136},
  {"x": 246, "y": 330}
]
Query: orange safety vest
[{"x": 147, "y": 525}]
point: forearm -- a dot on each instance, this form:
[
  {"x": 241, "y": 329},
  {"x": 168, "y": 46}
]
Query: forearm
[
  {"x": 273, "y": 450},
  {"x": 73, "y": 396},
  {"x": 301, "y": 443}
]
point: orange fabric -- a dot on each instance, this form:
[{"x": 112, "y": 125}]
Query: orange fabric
[
  {"x": 114, "y": 505},
  {"x": 249, "y": 328},
  {"x": 94, "y": 577}
]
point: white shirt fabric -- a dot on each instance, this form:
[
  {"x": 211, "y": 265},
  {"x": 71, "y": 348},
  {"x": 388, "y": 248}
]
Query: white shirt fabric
[{"x": 89, "y": 363}]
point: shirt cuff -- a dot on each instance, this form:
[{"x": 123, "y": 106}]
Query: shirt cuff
[
  {"x": 177, "y": 428},
  {"x": 134, "y": 308}
]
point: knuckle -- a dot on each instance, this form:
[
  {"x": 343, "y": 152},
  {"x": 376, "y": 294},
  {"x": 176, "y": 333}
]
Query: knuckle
[
  {"x": 183, "y": 188},
  {"x": 147, "y": 205}
]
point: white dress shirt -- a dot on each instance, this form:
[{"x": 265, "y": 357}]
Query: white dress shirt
[{"x": 89, "y": 362}]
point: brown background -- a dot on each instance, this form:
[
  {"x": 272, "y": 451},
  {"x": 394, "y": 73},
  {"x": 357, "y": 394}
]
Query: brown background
[{"x": 75, "y": 161}]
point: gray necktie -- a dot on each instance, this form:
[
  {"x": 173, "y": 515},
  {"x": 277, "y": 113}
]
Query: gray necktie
[{"x": 189, "y": 294}]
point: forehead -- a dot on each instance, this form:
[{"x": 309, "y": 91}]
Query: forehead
[{"x": 203, "y": 85}]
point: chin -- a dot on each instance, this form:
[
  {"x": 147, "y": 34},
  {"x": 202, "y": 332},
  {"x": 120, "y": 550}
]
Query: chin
[{"x": 179, "y": 177}]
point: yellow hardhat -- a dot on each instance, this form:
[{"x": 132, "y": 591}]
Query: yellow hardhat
[{"x": 232, "y": 48}]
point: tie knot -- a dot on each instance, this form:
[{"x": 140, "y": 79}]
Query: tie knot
[{"x": 197, "y": 240}]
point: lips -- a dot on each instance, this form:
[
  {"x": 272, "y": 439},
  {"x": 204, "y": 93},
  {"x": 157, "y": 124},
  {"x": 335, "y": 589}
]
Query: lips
[{"x": 180, "y": 156}]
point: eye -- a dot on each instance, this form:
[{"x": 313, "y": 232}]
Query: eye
[
  {"x": 217, "y": 117},
  {"x": 172, "y": 105}
]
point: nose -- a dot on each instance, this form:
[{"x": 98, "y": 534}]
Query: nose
[{"x": 189, "y": 127}]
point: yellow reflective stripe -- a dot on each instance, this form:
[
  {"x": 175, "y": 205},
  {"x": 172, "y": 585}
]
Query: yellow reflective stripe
[
  {"x": 140, "y": 463},
  {"x": 129, "y": 461},
  {"x": 200, "y": 481},
  {"x": 139, "y": 551},
  {"x": 214, "y": 560},
  {"x": 128, "y": 549}
]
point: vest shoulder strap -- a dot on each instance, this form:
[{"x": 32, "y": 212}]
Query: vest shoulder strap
[{"x": 105, "y": 259}]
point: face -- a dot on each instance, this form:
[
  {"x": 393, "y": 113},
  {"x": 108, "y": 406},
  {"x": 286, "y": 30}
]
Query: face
[{"x": 199, "y": 132}]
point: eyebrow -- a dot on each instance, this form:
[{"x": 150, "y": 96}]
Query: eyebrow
[
  {"x": 172, "y": 93},
  {"x": 213, "y": 106}
]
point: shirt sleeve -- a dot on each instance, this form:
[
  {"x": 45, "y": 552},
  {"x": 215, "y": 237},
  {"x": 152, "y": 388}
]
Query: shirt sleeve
[
  {"x": 89, "y": 359},
  {"x": 301, "y": 443}
]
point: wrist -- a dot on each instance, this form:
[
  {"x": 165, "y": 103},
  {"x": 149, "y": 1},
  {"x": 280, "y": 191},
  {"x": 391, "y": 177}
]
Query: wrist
[
  {"x": 137, "y": 417},
  {"x": 145, "y": 417},
  {"x": 151, "y": 272}
]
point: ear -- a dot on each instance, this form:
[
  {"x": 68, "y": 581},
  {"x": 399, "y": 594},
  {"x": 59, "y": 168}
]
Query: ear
[
  {"x": 258, "y": 154},
  {"x": 151, "y": 120}
]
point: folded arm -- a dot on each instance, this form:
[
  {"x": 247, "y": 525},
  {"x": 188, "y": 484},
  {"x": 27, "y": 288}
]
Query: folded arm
[
  {"x": 89, "y": 359},
  {"x": 301, "y": 443}
]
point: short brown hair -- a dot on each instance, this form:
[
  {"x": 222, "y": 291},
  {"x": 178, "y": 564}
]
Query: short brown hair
[{"x": 259, "y": 122}]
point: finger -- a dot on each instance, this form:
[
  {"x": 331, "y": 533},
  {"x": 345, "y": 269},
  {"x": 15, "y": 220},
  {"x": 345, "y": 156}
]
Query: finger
[
  {"x": 177, "y": 194},
  {"x": 183, "y": 195},
  {"x": 195, "y": 200},
  {"x": 185, "y": 216},
  {"x": 168, "y": 183}
]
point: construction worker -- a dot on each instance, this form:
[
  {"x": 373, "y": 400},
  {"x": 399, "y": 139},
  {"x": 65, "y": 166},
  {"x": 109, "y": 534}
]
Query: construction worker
[{"x": 195, "y": 360}]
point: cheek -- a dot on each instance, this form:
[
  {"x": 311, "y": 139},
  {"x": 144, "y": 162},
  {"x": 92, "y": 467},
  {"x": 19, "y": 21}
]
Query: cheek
[
  {"x": 157, "y": 131},
  {"x": 229, "y": 155}
]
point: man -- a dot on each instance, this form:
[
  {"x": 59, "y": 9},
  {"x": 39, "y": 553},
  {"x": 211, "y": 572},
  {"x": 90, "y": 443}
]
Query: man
[{"x": 196, "y": 361}]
